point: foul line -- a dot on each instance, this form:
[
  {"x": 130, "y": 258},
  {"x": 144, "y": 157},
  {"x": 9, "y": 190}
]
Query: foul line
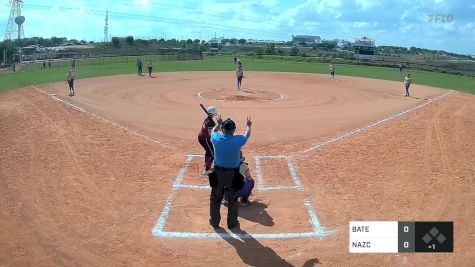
[
  {"x": 59, "y": 100},
  {"x": 156, "y": 141},
  {"x": 364, "y": 128}
]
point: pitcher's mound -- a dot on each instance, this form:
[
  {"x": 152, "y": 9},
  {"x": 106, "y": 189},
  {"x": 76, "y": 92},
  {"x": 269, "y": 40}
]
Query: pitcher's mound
[{"x": 243, "y": 95}]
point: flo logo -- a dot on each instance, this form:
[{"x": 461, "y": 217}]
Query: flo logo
[{"x": 440, "y": 18}]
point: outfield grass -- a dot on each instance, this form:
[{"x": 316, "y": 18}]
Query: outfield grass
[{"x": 110, "y": 67}]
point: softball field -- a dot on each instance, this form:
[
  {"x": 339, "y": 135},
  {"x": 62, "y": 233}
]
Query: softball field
[{"x": 111, "y": 177}]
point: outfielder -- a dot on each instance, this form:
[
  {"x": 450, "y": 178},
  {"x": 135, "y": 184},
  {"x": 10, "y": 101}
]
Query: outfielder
[{"x": 204, "y": 137}]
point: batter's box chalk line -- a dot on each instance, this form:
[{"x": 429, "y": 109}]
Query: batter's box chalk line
[
  {"x": 297, "y": 185},
  {"x": 318, "y": 231}
]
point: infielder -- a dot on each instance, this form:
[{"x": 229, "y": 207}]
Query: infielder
[
  {"x": 332, "y": 70},
  {"x": 204, "y": 138},
  {"x": 407, "y": 83},
  {"x": 70, "y": 78},
  {"x": 150, "y": 66},
  {"x": 139, "y": 66},
  {"x": 239, "y": 75}
]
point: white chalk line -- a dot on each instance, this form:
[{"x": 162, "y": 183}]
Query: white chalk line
[
  {"x": 259, "y": 178},
  {"x": 179, "y": 179},
  {"x": 163, "y": 217},
  {"x": 371, "y": 125},
  {"x": 156, "y": 141},
  {"x": 59, "y": 100},
  {"x": 293, "y": 173},
  {"x": 318, "y": 230},
  {"x": 67, "y": 103},
  {"x": 178, "y": 183},
  {"x": 158, "y": 229},
  {"x": 181, "y": 174}
]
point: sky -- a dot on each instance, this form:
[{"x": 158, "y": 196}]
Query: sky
[{"x": 434, "y": 24}]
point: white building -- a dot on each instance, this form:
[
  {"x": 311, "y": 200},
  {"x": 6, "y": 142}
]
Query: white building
[{"x": 308, "y": 39}]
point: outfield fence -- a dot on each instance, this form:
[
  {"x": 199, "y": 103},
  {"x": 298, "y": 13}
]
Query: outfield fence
[
  {"x": 467, "y": 69},
  {"x": 49, "y": 64}
]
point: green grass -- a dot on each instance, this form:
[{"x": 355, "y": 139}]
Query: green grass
[{"x": 111, "y": 66}]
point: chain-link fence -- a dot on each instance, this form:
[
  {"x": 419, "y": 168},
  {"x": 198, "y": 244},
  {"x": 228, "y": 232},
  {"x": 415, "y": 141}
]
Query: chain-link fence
[{"x": 73, "y": 63}]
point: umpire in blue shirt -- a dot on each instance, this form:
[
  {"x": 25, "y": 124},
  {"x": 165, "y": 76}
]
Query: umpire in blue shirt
[{"x": 227, "y": 151}]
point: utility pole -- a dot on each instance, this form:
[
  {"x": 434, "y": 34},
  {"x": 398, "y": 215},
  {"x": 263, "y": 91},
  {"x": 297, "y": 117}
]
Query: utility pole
[{"x": 15, "y": 12}]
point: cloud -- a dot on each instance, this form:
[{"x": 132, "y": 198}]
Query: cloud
[
  {"x": 142, "y": 3},
  {"x": 366, "y": 4},
  {"x": 403, "y": 22}
]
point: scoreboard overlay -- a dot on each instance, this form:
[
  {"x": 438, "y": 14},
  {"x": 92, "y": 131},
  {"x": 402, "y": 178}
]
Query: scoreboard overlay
[{"x": 400, "y": 236}]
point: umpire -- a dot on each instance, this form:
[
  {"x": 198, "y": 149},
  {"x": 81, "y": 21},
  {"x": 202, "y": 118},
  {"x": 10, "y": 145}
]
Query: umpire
[{"x": 227, "y": 150}]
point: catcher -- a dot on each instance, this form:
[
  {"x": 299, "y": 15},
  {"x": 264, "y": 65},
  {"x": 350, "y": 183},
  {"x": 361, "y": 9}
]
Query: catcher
[{"x": 245, "y": 192}]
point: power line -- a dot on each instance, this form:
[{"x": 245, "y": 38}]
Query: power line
[{"x": 173, "y": 21}]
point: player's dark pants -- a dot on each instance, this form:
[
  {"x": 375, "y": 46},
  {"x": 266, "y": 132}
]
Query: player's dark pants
[
  {"x": 209, "y": 151},
  {"x": 239, "y": 80},
  {"x": 140, "y": 70},
  {"x": 332, "y": 73},
  {"x": 225, "y": 180},
  {"x": 150, "y": 72},
  {"x": 71, "y": 87},
  {"x": 407, "y": 88}
]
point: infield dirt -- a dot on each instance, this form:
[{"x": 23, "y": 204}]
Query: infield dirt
[{"x": 76, "y": 190}]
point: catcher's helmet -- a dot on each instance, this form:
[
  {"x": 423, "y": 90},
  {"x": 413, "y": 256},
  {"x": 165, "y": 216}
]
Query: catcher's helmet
[{"x": 212, "y": 110}]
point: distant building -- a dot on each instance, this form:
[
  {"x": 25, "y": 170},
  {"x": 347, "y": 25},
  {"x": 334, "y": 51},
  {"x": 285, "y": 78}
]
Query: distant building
[
  {"x": 308, "y": 39},
  {"x": 30, "y": 50},
  {"x": 364, "y": 48},
  {"x": 260, "y": 41}
]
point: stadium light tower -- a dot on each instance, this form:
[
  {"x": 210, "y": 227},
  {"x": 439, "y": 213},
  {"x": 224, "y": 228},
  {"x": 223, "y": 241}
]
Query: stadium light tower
[{"x": 15, "y": 21}]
